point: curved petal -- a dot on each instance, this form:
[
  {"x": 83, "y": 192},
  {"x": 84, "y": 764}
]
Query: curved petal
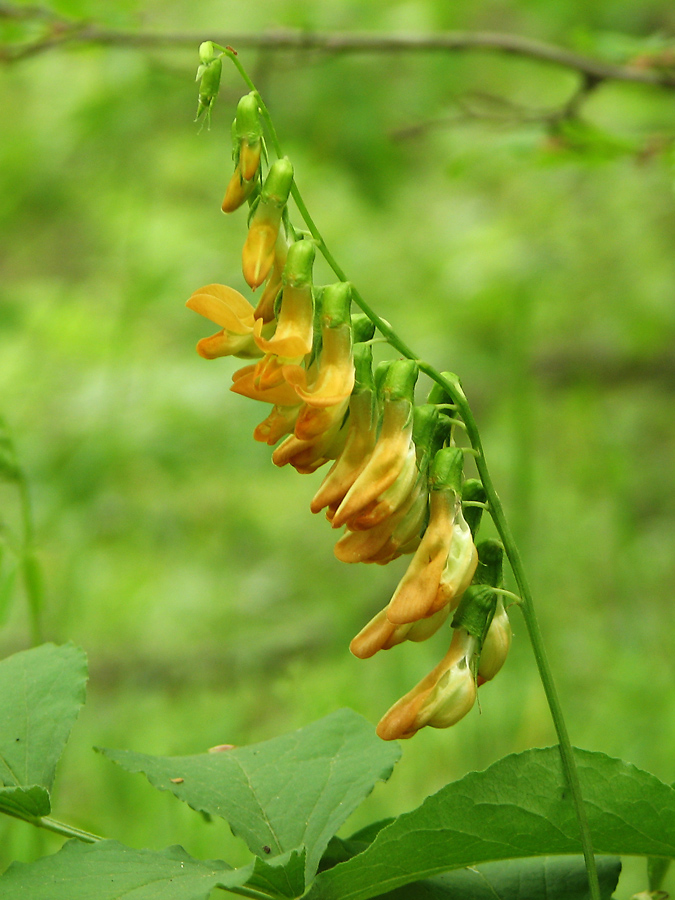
[{"x": 224, "y": 306}]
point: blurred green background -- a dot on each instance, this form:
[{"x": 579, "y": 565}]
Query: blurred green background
[{"x": 538, "y": 264}]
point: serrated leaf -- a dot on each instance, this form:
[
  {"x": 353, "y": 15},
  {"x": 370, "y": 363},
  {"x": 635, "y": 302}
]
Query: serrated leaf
[
  {"x": 518, "y": 807},
  {"x": 290, "y": 791},
  {"x": 110, "y": 871},
  {"x": 41, "y": 692},
  {"x": 25, "y": 801},
  {"x": 543, "y": 878}
]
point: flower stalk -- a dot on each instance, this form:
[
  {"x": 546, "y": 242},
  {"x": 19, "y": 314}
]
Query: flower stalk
[{"x": 419, "y": 706}]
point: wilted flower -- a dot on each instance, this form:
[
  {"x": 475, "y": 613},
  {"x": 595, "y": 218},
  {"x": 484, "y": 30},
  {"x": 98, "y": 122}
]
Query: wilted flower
[
  {"x": 441, "y": 699},
  {"x": 436, "y": 575}
]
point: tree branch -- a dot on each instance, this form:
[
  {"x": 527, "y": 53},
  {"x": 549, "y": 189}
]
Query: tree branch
[{"x": 340, "y": 43}]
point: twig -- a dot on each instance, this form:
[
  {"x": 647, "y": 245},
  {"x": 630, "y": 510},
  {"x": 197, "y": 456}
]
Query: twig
[{"x": 348, "y": 42}]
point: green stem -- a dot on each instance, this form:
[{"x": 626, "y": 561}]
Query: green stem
[{"x": 453, "y": 387}]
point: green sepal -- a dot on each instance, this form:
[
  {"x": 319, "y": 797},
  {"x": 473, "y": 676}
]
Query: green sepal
[
  {"x": 446, "y": 470},
  {"x": 438, "y": 394},
  {"x": 298, "y": 268},
  {"x": 428, "y": 434},
  {"x": 490, "y": 569},
  {"x": 400, "y": 380},
  {"x": 278, "y": 183},
  {"x": 473, "y": 490},
  {"x": 247, "y": 121},
  {"x": 362, "y": 328},
  {"x": 209, "y": 85},
  {"x": 337, "y": 300},
  {"x": 381, "y": 371},
  {"x": 363, "y": 365},
  {"x": 475, "y": 611}
]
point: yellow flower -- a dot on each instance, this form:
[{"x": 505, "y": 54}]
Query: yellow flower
[
  {"x": 381, "y": 634},
  {"x": 393, "y": 453},
  {"x": 227, "y": 308},
  {"x": 257, "y": 257},
  {"x": 292, "y": 338},
  {"x": 437, "y": 574},
  {"x": 441, "y": 699}
]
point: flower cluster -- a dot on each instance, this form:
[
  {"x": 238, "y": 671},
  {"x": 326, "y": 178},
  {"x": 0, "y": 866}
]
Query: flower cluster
[{"x": 396, "y": 482}]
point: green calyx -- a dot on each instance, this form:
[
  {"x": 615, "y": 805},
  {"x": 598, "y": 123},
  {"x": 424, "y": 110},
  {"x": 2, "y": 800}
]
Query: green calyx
[
  {"x": 400, "y": 379},
  {"x": 438, "y": 394},
  {"x": 298, "y": 268},
  {"x": 475, "y": 611},
  {"x": 473, "y": 491},
  {"x": 206, "y": 52},
  {"x": 278, "y": 183},
  {"x": 446, "y": 470},
  {"x": 428, "y": 434},
  {"x": 490, "y": 569},
  {"x": 336, "y": 303},
  {"x": 362, "y": 328},
  {"x": 247, "y": 122},
  {"x": 363, "y": 366}
]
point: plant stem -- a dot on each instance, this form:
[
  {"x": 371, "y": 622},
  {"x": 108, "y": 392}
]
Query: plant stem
[{"x": 453, "y": 387}]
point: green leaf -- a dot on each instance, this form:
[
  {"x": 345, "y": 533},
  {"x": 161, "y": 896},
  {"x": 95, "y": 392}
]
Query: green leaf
[
  {"x": 110, "y": 871},
  {"x": 518, "y": 807},
  {"x": 290, "y": 791},
  {"x": 25, "y": 801},
  {"x": 41, "y": 692},
  {"x": 546, "y": 877}
]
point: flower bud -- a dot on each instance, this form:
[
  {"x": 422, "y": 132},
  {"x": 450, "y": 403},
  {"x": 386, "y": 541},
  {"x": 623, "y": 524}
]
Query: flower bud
[
  {"x": 209, "y": 84},
  {"x": 258, "y": 252},
  {"x": 247, "y": 150},
  {"x": 496, "y": 644}
]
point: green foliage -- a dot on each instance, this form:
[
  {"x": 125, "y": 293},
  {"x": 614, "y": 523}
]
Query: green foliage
[
  {"x": 518, "y": 807},
  {"x": 41, "y": 692},
  {"x": 321, "y": 773}
]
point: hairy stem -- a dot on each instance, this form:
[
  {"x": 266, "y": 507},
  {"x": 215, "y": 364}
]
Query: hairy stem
[{"x": 453, "y": 387}]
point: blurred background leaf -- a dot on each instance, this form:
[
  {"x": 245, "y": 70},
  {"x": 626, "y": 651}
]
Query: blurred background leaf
[{"x": 192, "y": 572}]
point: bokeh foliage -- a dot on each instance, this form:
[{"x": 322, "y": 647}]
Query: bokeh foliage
[{"x": 536, "y": 264}]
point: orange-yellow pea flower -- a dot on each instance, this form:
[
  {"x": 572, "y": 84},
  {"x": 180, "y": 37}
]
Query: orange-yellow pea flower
[
  {"x": 295, "y": 325},
  {"x": 227, "y": 308},
  {"x": 245, "y": 382},
  {"x": 247, "y": 139},
  {"x": 308, "y": 456},
  {"x": 381, "y": 634},
  {"x": 278, "y": 423},
  {"x": 392, "y": 449},
  {"x": 258, "y": 253},
  {"x": 417, "y": 595},
  {"x": 441, "y": 699}
]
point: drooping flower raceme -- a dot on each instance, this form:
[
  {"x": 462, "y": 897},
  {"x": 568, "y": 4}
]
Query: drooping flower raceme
[{"x": 396, "y": 483}]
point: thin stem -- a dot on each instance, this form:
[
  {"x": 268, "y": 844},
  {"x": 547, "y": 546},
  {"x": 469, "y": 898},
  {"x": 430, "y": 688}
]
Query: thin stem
[
  {"x": 68, "y": 831},
  {"x": 452, "y": 386}
]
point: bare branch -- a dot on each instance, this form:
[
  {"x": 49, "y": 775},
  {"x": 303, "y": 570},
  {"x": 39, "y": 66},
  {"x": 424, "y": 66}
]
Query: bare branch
[{"x": 594, "y": 70}]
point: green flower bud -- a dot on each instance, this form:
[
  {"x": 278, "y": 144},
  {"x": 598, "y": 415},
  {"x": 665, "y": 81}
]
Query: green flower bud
[
  {"x": 206, "y": 52},
  {"x": 208, "y": 86}
]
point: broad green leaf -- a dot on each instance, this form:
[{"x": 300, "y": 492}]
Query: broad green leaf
[
  {"x": 518, "y": 807},
  {"x": 41, "y": 692},
  {"x": 278, "y": 795},
  {"x": 541, "y": 878},
  {"x": 25, "y": 801},
  {"x": 110, "y": 871}
]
